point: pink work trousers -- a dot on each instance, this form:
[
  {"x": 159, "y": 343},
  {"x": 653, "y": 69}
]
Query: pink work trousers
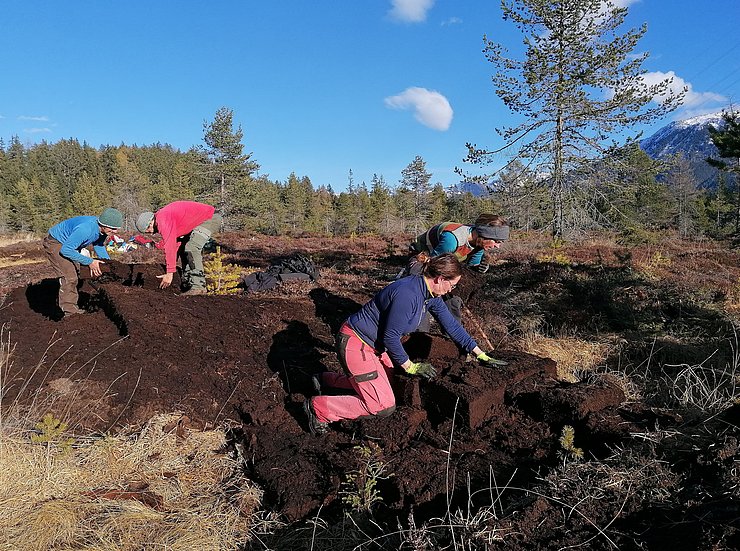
[{"x": 373, "y": 396}]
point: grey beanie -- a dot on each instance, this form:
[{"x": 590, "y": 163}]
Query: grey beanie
[
  {"x": 143, "y": 221},
  {"x": 111, "y": 218}
]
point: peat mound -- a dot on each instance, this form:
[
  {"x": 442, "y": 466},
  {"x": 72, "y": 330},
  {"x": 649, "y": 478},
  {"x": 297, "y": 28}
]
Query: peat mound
[{"x": 246, "y": 363}]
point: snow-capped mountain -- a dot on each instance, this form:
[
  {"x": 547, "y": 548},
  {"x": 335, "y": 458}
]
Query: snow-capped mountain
[
  {"x": 691, "y": 138},
  {"x": 476, "y": 189}
]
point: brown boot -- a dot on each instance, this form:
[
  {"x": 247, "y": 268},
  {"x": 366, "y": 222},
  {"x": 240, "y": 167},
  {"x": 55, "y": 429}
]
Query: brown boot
[{"x": 194, "y": 291}]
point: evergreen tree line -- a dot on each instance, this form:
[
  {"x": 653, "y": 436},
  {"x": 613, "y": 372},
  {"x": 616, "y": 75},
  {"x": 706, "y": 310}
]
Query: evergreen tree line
[
  {"x": 44, "y": 183},
  {"x": 629, "y": 193}
]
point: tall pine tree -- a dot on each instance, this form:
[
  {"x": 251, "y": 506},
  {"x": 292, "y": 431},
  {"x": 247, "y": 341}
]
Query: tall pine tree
[
  {"x": 578, "y": 85},
  {"x": 225, "y": 162},
  {"x": 727, "y": 142}
]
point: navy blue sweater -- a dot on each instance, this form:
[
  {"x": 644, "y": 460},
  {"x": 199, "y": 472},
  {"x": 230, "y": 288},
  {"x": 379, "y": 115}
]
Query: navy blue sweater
[{"x": 396, "y": 310}]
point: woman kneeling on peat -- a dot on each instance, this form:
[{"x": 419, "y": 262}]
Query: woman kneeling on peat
[{"x": 369, "y": 344}]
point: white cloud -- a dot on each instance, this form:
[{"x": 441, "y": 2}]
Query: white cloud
[
  {"x": 452, "y": 21},
  {"x": 692, "y": 99},
  {"x": 410, "y": 11},
  {"x": 26, "y": 118},
  {"x": 430, "y": 107},
  {"x": 36, "y": 130}
]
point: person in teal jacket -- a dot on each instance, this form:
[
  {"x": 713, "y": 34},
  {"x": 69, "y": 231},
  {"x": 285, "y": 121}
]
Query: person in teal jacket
[
  {"x": 63, "y": 246},
  {"x": 469, "y": 244}
]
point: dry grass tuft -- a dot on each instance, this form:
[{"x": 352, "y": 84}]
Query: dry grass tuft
[
  {"x": 572, "y": 355},
  {"x": 12, "y": 239},
  {"x": 161, "y": 487},
  {"x": 18, "y": 260}
]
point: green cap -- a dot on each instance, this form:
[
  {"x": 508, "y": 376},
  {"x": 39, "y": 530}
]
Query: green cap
[{"x": 111, "y": 218}]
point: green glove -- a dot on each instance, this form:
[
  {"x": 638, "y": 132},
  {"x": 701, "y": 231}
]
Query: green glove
[
  {"x": 422, "y": 369},
  {"x": 485, "y": 359}
]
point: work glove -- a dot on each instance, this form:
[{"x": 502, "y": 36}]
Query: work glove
[
  {"x": 483, "y": 267},
  {"x": 489, "y": 361},
  {"x": 422, "y": 369}
]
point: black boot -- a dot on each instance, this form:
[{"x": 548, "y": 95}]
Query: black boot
[{"x": 314, "y": 425}]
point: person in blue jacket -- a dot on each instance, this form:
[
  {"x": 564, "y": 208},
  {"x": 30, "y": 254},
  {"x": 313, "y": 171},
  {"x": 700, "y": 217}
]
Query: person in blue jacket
[
  {"x": 369, "y": 345},
  {"x": 64, "y": 244}
]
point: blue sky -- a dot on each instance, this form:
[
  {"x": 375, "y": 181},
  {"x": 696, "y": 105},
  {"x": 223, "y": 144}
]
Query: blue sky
[{"x": 319, "y": 87}]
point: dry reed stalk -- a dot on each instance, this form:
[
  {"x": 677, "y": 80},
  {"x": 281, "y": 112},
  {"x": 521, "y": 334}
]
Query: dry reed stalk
[{"x": 476, "y": 324}]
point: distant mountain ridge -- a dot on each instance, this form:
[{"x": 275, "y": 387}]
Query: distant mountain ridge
[
  {"x": 474, "y": 188},
  {"x": 689, "y": 137}
]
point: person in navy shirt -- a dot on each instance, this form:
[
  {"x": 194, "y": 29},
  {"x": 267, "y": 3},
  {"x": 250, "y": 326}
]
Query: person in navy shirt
[
  {"x": 369, "y": 344},
  {"x": 63, "y": 246}
]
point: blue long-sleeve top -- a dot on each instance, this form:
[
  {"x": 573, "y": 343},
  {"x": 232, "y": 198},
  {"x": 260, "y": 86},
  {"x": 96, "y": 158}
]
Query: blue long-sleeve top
[
  {"x": 76, "y": 233},
  {"x": 396, "y": 310}
]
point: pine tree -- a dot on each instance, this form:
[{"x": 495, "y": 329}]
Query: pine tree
[
  {"x": 90, "y": 196},
  {"x": 686, "y": 197},
  {"x": 321, "y": 213},
  {"x": 130, "y": 188},
  {"x": 719, "y": 209},
  {"x": 269, "y": 210},
  {"x": 224, "y": 162},
  {"x": 362, "y": 208},
  {"x": 32, "y": 207},
  {"x": 346, "y": 220},
  {"x": 727, "y": 142},
  {"x": 633, "y": 195},
  {"x": 295, "y": 196},
  {"x": 382, "y": 213},
  {"x": 577, "y": 87},
  {"x": 221, "y": 278},
  {"x": 437, "y": 205},
  {"x": 68, "y": 160},
  {"x": 524, "y": 200},
  {"x": 415, "y": 181}
]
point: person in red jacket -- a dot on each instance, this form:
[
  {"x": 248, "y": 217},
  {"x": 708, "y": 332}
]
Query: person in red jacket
[{"x": 185, "y": 227}]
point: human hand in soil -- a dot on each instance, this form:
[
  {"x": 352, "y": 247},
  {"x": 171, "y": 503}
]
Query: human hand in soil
[
  {"x": 422, "y": 369},
  {"x": 166, "y": 280},
  {"x": 95, "y": 268},
  {"x": 489, "y": 361}
]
